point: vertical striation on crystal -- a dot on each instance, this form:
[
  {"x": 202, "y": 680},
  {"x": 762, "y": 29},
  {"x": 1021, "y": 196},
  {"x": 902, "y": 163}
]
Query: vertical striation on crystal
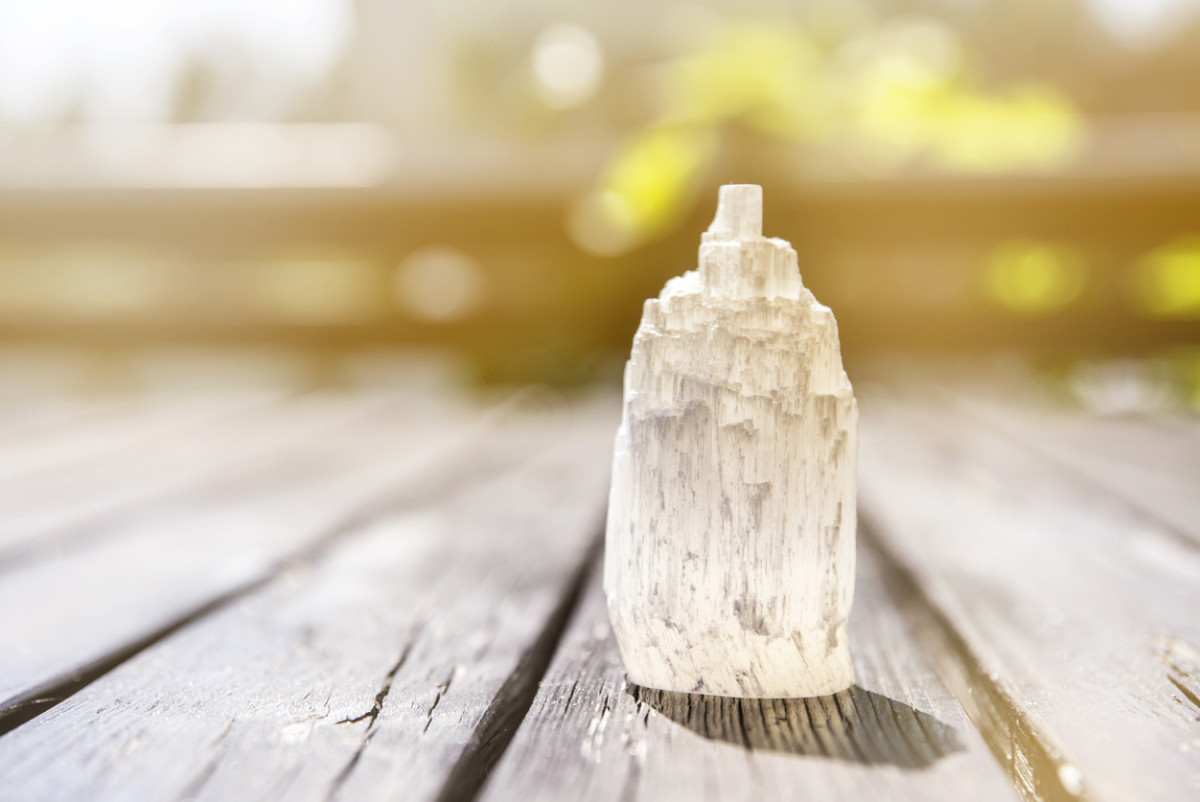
[{"x": 729, "y": 561}]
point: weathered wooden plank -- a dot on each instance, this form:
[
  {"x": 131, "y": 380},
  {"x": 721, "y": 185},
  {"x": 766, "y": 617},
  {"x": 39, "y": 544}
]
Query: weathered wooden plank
[
  {"x": 898, "y": 734},
  {"x": 1152, "y": 463},
  {"x": 22, "y": 417},
  {"x": 383, "y": 669},
  {"x": 1058, "y": 605},
  {"x": 79, "y": 609},
  {"x": 51, "y": 508},
  {"x": 133, "y": 423}
]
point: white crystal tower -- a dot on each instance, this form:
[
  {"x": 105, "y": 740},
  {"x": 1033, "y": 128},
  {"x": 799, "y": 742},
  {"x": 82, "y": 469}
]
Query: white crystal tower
[{"x": 729, "y": 566}]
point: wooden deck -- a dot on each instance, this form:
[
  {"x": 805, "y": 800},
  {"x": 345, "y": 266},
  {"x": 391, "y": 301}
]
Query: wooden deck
[{"x": 397, "y": 596}]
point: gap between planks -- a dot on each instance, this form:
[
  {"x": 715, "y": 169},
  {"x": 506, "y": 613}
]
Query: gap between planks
[
  {"x": 564, "y": 500},
  {"x": 1038, "y": 768},
  {"x": 1064, "y": 605},
  {"x": 899, "y": 734},
  {"x": 1019, "y": 729},
  {"x": 1034, "y": 763},
  {"x": 437, "y": 475}
]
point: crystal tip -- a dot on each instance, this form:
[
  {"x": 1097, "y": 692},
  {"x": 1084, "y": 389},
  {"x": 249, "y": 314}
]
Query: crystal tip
[{"x": 739, "y": 212}]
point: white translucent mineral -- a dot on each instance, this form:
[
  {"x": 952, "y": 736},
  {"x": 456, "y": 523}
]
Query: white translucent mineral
[{"x": 729, "y": 566}]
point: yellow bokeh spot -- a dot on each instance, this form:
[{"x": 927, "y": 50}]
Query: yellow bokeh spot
[
  {"x": 903, "y": 90},
  {"x": 647, "y": 188},
  {"x": 893, "y": 91},
  {"x": 1169, "y": 280},
  {"x": 1032, "y": 127},
  {"x": 1033, "y": 277},
  {"x": 767, "y": 75}
]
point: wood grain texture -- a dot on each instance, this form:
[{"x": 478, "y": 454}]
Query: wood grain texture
[
  {"x": 1151, "y": 462},
  {"x": 50, "y": 509},
  {"x": 1055, "y": 604},
  {"x": 385, "y": 668},
  {"x": 75, "y": 611},
  {"x": 22, "y": 417},
  {"x": 367, "y": 614},
  {"x": 109, "y": 430},
  {"x": 898, "y": 734}
]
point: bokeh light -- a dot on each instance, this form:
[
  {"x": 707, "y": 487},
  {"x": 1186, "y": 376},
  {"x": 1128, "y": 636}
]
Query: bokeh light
[
  {"x": 1036, "y": 278},
  {"x": 892, "y": 92},
  {"x": 647, "y": 189},
  {"x": 312, "y": 290},
  {"x": 1168, "y": 280},
  {"x": 126, "y": 61},
  {"x": 325, "y": 178},
  {"x": 85, "y": 281},
  {"x": 439, "y": 283},
  {"x": 568, "y": 65}
]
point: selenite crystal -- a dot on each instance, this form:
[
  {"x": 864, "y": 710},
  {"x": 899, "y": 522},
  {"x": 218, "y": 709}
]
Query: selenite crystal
[{"x": 729, "y": 566}]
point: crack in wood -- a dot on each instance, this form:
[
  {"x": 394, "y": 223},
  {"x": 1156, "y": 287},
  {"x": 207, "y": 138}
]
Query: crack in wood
[
  {"x": 509, "y": 706},
  {"x": 443, "y": 477},
  {"x": 441, "y": 691},
  {"x": 571, "y": 695},
  {"x": 1183, "y": 668},
  {"x": 371, "y": 716},
  {"x": 384, "y": 689},
  {"x": 1191, "y": 695}
]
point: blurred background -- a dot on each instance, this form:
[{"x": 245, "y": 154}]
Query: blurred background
[{"x": 322, "y": 193}]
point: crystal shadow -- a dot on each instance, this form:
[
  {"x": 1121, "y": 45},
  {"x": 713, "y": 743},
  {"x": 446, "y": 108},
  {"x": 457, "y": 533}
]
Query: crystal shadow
[{"x": 855, "y": 725}]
